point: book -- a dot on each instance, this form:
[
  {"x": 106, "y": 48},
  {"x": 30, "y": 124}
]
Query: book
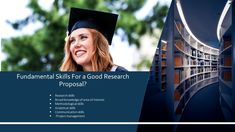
[
  {"x": 178, "y": 60},
  {"x": 177, "y": 76},
  {"x": 163, "y": 70},
  {"x": 179, "y": 25},
  {"x": 164, "y": 46},
  {"x": 179, "y": 44},
  {"x": 164, "y": 56},
  {"x": 177, "y": 95},
  {"x": 163, "y": 63},
  {"x": 227, "y": 60},
  {"x": 227, "y": 75},
  {"x": 193, "y": 52}
]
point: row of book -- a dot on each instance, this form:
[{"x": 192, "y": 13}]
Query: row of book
[
  {"x": 181, "y": 74},
  {"x": 194, "y": 52},
  {"x": 181, "y": 60},
  {"x": 164, "y": 65},
  {"x": 214, "y": 57},
  {"x": 207, "y": 75}
]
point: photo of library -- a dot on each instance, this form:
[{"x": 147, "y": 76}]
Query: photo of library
[{"x": 192, "y": 77}]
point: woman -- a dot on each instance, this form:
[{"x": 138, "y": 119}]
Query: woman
[{"x": 87, "y": 44}]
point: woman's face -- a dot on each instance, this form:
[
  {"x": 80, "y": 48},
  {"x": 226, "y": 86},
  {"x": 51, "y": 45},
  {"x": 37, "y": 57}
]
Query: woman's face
[{"x": 81, "y": 46}]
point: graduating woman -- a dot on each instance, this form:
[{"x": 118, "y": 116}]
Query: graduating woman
[{"x": 87, "y": 44}]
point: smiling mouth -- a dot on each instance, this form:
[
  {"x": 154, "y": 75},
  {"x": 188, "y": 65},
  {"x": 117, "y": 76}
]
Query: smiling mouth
[{"x": 80, "y": 53}]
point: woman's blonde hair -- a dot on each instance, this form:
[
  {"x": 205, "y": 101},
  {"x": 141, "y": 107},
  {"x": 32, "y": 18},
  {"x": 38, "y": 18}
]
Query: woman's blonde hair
[{"x": 101, "y": 59}]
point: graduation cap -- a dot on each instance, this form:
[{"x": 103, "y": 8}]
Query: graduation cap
[{"x": 101, "y": 21}]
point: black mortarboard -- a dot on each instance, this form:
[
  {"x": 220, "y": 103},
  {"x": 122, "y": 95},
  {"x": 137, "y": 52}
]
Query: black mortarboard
[{"x": 102, "y": 21}]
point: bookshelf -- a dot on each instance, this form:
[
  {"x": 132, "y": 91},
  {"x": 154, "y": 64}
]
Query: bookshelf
[
  {"x": 163, "y": 64},
  {"x": 195, "y": 66},
  {"x": 226, "y": 66},
  {"x": 156, "y": 66},
  {"x": 184, "y": 65},
  {"x": 225, "y": 76}
]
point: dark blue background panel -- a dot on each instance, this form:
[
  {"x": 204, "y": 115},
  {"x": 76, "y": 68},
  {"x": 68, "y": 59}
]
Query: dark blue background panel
[{"x": 106, "y": 100}]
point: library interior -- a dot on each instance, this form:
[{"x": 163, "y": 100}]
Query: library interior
[{"x": 192, "y": 77}]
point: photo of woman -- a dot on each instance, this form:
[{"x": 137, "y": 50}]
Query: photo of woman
[{"x": 87, "y": 43}]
